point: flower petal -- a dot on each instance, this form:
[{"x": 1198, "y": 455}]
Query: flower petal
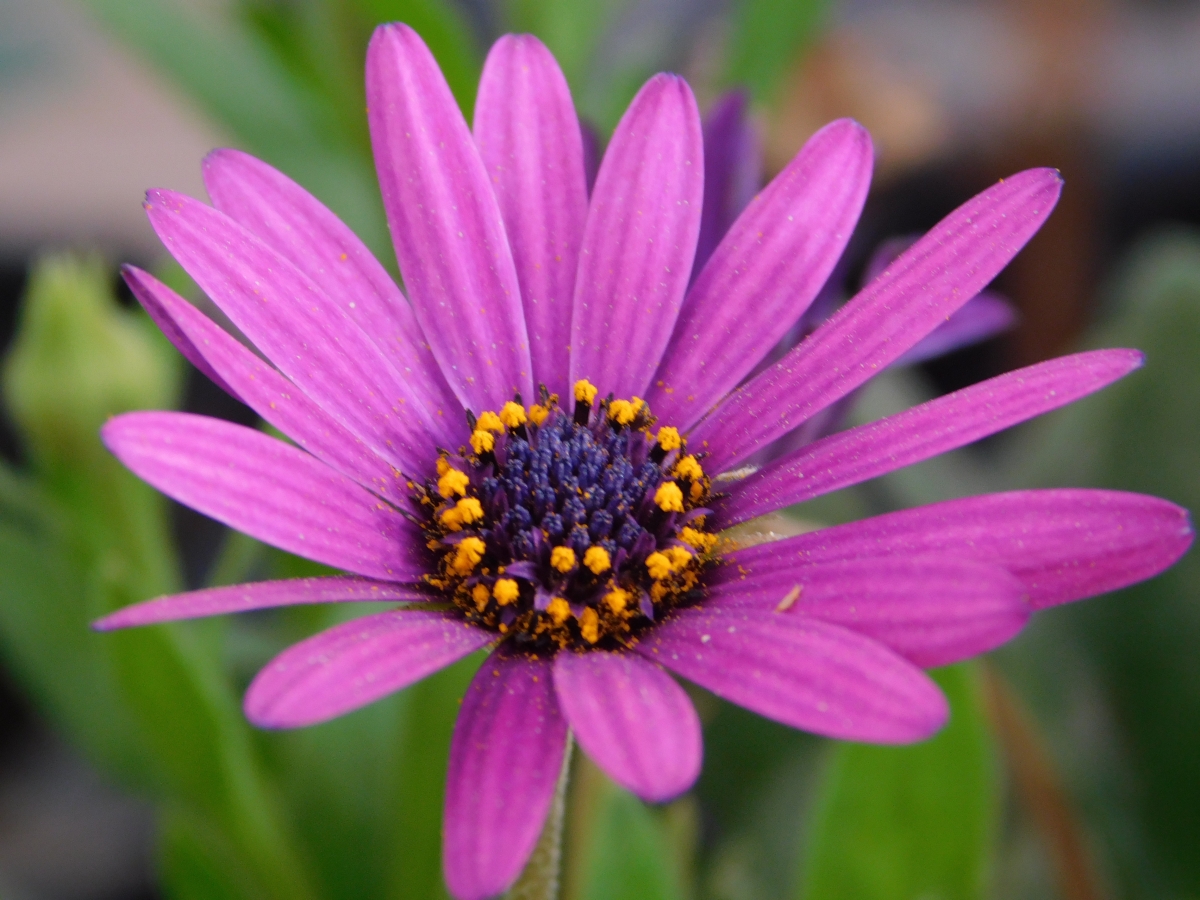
[
  {"x": 293, "y": 222},
  {"x": 983, "y": 317},
  {"x": 639, "y": 240},
  {"x": 932, "y": 610},
  {"x": 941, "y": 272},
  {"x": 632, "y": 719},
  {"x": 765, "y": 273},
  {"x": 356, "y": 663},
  {"x": 505, "y": 760},
  {"x": 955, "y": 420},
  {"x": 1062, "y": 545},
  {"x": 299, "y": 329},
  {"x": 268, "y": 489},
  {"x": 258, "y": 595},
  {"x": 530, "y": 142},
  {"x": 264, "y": 390},
  {"x": 800, "y": 671},
  {"x": 446, "y": 225}
]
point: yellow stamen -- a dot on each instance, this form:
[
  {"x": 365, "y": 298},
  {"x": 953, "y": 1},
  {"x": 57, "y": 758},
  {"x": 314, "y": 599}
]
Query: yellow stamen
[
  {"x": 469, "y": 510},
  {"x": 585, "y": 391},
  {"x": 443, "y": 466},
  {"x": 559, "y": 610},
  {"x": 698, "y": 539},
  {"x": 589, "y": 625},
  {"x": 506, "y": 591},
  {"x": 621, "y": 412},
  {"x": 512, "y": 414},
  {"x": 597, "y": 559},
  {"x": 479, "y": 594},
  {"x": 538, "y": 413},
  {"x": 482, "y": 441},
  {"x": 562, "y": 558},
  {"x": 669, "y": 439},
  {"x": 453, "y": 482},
  {"x": 658, "y": 565},
  {"x": 678, "y": 556},
  {"x": 467, "y": 555},
  {"x": 688, "y": 468},
  {"x": 489, "y": 421},
  {"x": 668, "y": 497},
  {"x": 617, "y": 599},
  {"x": 451, "y": 519},
  {"x": 696, "y": 491}
]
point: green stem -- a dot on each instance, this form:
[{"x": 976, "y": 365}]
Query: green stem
[{"x": 540, "y": 879}]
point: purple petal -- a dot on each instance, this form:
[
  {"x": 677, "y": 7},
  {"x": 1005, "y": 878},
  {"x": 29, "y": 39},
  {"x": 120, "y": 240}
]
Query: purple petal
[
  {"x": 1062, "y": 545},
  {"x": 259, "y": 595},
  {"x": 955, "y": 420},
  {"x": 446, "y": 225},
  {"x": 301, "y": 330},
  {"x": 505, "y": 760},
  {"x": 800, "y": 671},
  {"x": 765, "y": 273},
  {"x": 529, "y": 138},
  {"x": 981, "y": 319},
  {"x": 293, "y": 222},
  {"x": 940, "y": 273},
  {"x": 632, "y": 719},
  {"x": 264, "y": 390},
  {"x": 268, "y": 489},
  {"x": 639, "y": 240},
  {"x": 356, "y": 663},
  {"x": 732, "y": 171},
  {"x": 932, "y": 610}
]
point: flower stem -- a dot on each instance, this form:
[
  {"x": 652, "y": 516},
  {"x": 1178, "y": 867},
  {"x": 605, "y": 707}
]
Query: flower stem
[{"x": 540, "y": 879}]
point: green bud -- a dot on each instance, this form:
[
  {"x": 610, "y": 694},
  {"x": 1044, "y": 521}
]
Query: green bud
[{"x": 79, "y": 358}]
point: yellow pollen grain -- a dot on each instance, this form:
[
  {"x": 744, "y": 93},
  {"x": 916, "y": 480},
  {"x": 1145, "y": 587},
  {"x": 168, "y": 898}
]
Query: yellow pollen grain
[
  {"x": 482, "y": 441},
  {"x": 696, "y": 491},
  {"x": 513, "y": 414},
  {"x": 621, "y": 412},
  {"x": 467, "y": 555},
  {"x": 658, "y": 565},
  {"x": 597, "y": 559},
  {"x": 698, "y": 539},
  {"x": 678, "y": 556},
  {"x": 617, "y": 599},
  {"x": 559, "y": 610},
  {"x": 589, "y": 625},
  {"x": 538, "y": 413},
  {"x": 562, "y": 559},
  {"x": 585, "y": 391},
  {"x": 443, "y": 466},
  {"x": 469, "y": 510},
  {"x": 453, "y": 482},
  {"x": 479, "y": 594},
  {"x": 506, "y": 591},
  {"x": 689, "y": 469},
  {"x": 451, "y": 519},
  {"x": 489, "y": 421},
  {"x": 669, "y": 439},
  {"x": 668, "y": 497}
]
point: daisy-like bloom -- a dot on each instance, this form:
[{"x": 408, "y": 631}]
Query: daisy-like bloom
[{"x": 538, "y": 450}]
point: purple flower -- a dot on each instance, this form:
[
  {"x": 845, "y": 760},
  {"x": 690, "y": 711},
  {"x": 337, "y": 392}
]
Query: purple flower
[{"x": 490, "y": 443}]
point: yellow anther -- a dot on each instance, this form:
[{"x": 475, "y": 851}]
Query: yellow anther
[
  {"x": 597, "y": 559},
  {"x": 688, "y": 468},
  {"x": 621, "y": 412},
  {"x": 658, "y": 565},
  {"x": 479, "y": 594},
  {"x": 559, "y": 610},
  {"x": 482, "y": 441},
  {"x": 668, "y": 497},
  {"x": 589, "y": 625},
  {"x": 538, "y": 413},
  {"x": 669, "y": 439},
  {"x": 451, "y": 519},
  {"x": 489, "y": 421},
  {"x": 467, "y": 555},
  {"x": 506, "y": 591},
  {"x": 617, "y": 599},
  {"x": 678, "y": 556},
  {"x": 443, "y": 465},
  {"x": 562, "y": 558},
  {"x": 698, "y": 539},
  {"x": 696, "y": 491},
  {"x": 585, "y": 391},
  {"x": 453, "y": 482},
  {"x": 469, "y": 510},
  {"x": 512, "y": 414}
]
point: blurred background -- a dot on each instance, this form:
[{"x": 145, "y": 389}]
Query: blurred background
[{"x": 1071, "y": 768}]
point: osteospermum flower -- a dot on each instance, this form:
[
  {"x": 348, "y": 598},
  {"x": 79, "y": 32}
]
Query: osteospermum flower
[{"x": 544, "y": 442}]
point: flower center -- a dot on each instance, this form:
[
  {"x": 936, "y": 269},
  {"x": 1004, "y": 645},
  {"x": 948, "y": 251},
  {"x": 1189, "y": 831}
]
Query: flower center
[{"x": 568, "y": 529}]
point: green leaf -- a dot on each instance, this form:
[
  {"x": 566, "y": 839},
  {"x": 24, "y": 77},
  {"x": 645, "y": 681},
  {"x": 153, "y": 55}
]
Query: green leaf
[
  {"x": 768, "y": 38},
  {"x": 900, "y": 823},
  {"x": 196, "y": 861}
]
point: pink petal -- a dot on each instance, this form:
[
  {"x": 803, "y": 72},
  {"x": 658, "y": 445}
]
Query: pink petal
[
  {"x": 639, "y": 240},
  {"x": 299, "y": 329},
  {"x": 259, "y": 595},
  {"x": 293, "y": 222},
  {"x": 632, "y": 719},
  {"x": 268, "y": 489},
  {"x": 529, "y": 138},
  {"x": 941, "y": 272},
  {"x": 800, "y": 671},
  {"x": 264, "y": 390},
  {"x": 1062, "y": 545},
  {"x": 445, "y": 223},
  {"x": 356, "y": 663},
  {"x": 955, "y": 420},
  {"x": 982, "y": 318},
  {"x": 505, "y": 759},
  {"x": 765, "y": 273},
  {"x": 932, "y": 610}
]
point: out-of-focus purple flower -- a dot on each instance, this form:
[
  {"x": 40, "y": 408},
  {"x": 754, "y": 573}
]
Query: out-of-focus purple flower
[{"x": 483, "y": 452}]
